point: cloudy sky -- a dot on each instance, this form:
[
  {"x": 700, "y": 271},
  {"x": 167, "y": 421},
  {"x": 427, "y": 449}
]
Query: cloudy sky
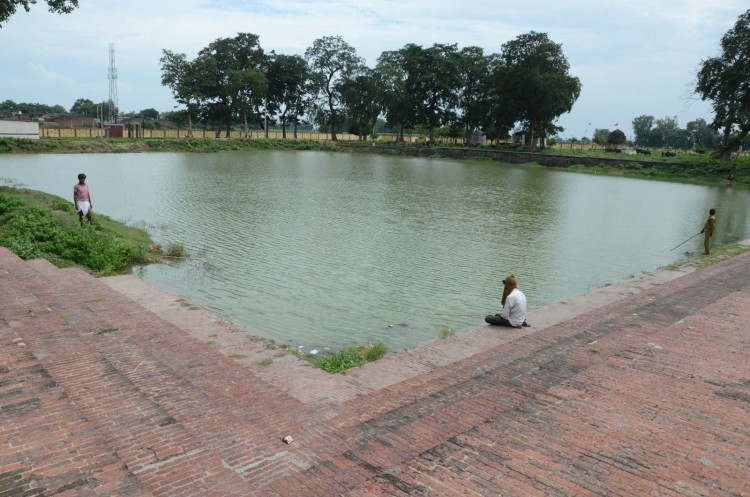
[{"x": 633, "y": 57}]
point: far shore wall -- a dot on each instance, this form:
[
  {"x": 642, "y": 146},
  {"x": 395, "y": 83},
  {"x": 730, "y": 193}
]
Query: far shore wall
[
  {"x": 52, "y": 132},
  {"x": 19, "y": 129},
  {"x": 511, "y": 157}
]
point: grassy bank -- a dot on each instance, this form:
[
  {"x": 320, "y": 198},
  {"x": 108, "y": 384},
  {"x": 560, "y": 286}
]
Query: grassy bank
[
  {"x": 133, "y": 145},
  {"x": 709, "y": 174},
  {"x": 38, "y": 225}
]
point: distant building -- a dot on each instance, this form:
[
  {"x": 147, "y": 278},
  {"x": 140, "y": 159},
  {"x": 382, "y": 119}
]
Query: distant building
[
  {"x": 19, "y": 129},
  {"x": 74, "y": 121},
  {"x": 477, "y": 138}
]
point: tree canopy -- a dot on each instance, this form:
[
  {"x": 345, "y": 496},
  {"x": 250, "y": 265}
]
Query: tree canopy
[
  {"x": 287, "y": 88},
  {"x": 233, "y": 82},
  {"x": 434, "y": 88},
  {"x": 666, "y": 133},
  {"x": 332, "y": 61},
  {"x": 724, "y": 80},
  {"x": 533, "y": 74},
  {"x": 9, "y": 7}
]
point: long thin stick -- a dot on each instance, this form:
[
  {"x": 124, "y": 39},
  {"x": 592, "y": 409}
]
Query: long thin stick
[
  {"x": 683, "y": 243},
  {"x": 455, "y": 315}
]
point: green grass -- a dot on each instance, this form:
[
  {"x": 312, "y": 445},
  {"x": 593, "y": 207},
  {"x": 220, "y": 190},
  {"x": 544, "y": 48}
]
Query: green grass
[
  {"x": 347, "y": 358},
  {"x": 446, "y": 332},
  {"x": 175, "y": 250},
  {"x": 37, "y": 225},
  {"x": 107, "y": 331}
]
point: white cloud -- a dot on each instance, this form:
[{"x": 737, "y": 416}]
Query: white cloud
[{"x": 633, "y": 58}]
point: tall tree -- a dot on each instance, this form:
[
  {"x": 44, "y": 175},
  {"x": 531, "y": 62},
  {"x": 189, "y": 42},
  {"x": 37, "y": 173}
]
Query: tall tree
[
  {"x": 238, "y": 83},
  {"x": 724, "y": 81},
  {"x": 332, "y": 61},
  {"x": 183, "y": 77},
  {"x": 474, "y": 69},
  {"x": 83, "y": 107},
  {"x": 501, "y": 113},
  {"x": 9, "y": 7},
  {"x": 701, "y": 134},
  {"x": 535, "y": 76},
  {"x": 287, "y": 85},
  {"x": 642, "y": 129},
  {"x": 601, "y": 135},
  {"x": 667, "y": 133},
  {"x": 362, "y": 99},
  {"x": 434, "y": 79},
  {"x": 398, "y": 104},
  {"x": 150, "y": 114}
]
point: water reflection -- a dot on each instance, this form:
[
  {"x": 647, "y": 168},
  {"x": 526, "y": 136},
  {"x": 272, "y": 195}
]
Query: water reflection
[{"x": 330, "y": 249}]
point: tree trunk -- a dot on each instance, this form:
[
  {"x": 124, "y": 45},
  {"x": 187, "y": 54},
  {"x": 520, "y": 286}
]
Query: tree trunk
[
  {"x": 532, "y": 138},
  {"x": 333, "y": 117}
]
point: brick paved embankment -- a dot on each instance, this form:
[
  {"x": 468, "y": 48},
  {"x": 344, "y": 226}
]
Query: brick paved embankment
[{"x": 646, "y": 396}]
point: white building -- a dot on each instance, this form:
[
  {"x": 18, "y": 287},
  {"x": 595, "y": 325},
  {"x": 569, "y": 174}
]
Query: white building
[{"x": 19, "y": 129}]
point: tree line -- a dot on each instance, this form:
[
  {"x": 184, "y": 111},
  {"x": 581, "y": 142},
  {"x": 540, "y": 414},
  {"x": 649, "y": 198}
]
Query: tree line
[
  {"x": 666, "y": 133},
  {"x": 233, "y": 80},
  {"x": 527, "y": 84}
]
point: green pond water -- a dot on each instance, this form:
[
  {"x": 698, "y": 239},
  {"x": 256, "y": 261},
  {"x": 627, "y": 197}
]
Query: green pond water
[{"x": 324, "y": 250}]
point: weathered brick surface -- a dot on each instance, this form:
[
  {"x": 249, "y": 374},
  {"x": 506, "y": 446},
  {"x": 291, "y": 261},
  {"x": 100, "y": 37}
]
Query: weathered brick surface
[{"x": 646, "y": 396}]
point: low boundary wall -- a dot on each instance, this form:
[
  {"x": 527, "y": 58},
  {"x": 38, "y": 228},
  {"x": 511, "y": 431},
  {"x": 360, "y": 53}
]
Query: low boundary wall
[
  {"x": 549, "y": 160},
  {"x": 19, "y": 129}
]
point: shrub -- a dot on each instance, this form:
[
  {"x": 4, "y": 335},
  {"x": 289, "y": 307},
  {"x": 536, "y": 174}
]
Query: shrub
[
  {"x": 348, "y": 357},
  {"x": 59, "y": 204},
  {"x": 93, "y": 249},
  {"x": 175, "y": 250},
  {"x": 8, "y": 203},
  {"x": 31, "y": 232}
]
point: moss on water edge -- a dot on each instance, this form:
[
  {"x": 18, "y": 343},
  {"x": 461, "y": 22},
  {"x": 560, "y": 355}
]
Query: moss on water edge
[
  {"x": 346, "y": 358},
  {"x": 718, "y": 254}
]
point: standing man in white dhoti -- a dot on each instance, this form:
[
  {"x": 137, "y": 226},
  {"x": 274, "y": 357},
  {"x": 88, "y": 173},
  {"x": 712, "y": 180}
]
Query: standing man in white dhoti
[{"x": 82, "y": 199}]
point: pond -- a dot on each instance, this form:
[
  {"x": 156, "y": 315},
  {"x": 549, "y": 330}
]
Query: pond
[{"x": 330, "y": 249}]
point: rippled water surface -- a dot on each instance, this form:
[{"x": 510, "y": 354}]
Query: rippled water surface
[{"x": 325, "y": 249}]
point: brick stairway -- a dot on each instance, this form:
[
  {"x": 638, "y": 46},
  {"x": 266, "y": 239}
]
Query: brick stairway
[{"x": 647, "y": 396}]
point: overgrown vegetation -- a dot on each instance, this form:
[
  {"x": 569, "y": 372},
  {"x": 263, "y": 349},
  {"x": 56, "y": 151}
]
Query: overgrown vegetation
[
  {"x": 37, "y": 225},
  {"x": 346, "y": 358},
  {"x": 175, "y": 250},
  {"x": 446, "y": 332}
]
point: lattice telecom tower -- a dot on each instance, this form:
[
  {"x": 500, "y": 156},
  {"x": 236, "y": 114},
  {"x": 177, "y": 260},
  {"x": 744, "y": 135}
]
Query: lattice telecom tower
[{"x": 113, "y": 105}]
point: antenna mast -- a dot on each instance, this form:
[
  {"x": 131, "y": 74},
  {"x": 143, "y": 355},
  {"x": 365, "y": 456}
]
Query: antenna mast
[{"x": 113, "y": 105}]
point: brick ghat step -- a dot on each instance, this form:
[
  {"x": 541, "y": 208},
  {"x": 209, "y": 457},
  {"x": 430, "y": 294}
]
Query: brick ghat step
[
  {"x": 648, "y": 396},
  {"x": 178, "y": 414},
  {"x": 47, "y": 445}
]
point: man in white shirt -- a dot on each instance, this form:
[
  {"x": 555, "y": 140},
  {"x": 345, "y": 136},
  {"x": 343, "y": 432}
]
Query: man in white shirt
[{"x": 514, "y": 306}]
